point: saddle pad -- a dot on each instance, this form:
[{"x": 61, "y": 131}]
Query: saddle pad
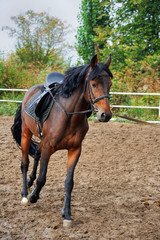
[{"x": 31, "y": 106}]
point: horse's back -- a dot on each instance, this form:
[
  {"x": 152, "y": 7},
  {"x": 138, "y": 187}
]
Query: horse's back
[{"x": 32, "y": 91}]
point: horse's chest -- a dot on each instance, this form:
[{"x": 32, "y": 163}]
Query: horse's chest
[{"x": 72, "y": 138}]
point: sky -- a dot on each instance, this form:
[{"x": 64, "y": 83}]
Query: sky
[{"x": 66, "y": 10}]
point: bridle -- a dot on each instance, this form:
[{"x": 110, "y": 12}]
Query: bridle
[
  {"x": 90, "y": 96},
  {"x": 90, "y": 93}
]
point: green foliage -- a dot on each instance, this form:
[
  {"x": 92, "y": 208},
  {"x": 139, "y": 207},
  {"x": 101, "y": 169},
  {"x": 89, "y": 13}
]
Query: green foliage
[
  {"x": 134, "y": 32},
  {"x": 10, "y": 72},
  {"x": 141, "y": 76},
  {"x": 40, "y": 38},
  {"x": 9, "y": 108},
  {"x": 15, "y": 74},
  {"x": 39, "y": 51},
  {"x": 131, "y": 35},
  {"x": 138, "y": 25},
  {"x": 93, "y": 14}
]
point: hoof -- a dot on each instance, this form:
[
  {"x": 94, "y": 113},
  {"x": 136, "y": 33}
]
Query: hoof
[
  {"x": 33, "y": 198},
  {"x": 24, "y": 201},
  {"x": 67, "y": 223}
]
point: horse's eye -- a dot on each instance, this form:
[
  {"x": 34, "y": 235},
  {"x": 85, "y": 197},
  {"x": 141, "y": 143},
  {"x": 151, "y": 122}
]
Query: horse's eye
[{"x": 94, "y": 85}]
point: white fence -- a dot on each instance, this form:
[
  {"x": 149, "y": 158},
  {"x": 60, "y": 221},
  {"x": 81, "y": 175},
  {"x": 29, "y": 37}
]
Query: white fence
[
  {"x": 140, "y": 94},
  {"x": 112, "y": 93}
]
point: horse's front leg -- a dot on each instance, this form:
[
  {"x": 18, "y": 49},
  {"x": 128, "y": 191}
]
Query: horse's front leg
[
  {"x": 45, "y": 155},
  {"x": 73, "y": 156}
]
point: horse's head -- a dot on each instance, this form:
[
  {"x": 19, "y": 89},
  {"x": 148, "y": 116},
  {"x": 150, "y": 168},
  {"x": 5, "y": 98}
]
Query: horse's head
[{"x": 98, "y": 84}]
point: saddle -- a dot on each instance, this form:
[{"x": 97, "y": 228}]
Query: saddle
[
  {"x": 53, "y": 81},
  {"x": 54, "y": 78}
]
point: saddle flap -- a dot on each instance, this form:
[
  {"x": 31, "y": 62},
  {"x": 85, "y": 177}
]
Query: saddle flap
[{"x": 42, "y": 103}]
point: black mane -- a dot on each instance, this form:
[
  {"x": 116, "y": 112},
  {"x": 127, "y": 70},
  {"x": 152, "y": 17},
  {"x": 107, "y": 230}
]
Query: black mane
[{"x": 75, "y": 75}]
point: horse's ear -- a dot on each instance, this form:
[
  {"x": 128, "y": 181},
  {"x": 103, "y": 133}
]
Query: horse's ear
[
  {"x": 108, "y": 62},
  {"x": 94, "y": 61}
]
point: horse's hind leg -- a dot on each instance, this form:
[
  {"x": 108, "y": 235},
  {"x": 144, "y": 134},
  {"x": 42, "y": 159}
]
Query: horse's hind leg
[
  {"x": 25, "y": 144},
  {"x": 34, "y": 171},
  {"x": 45, "y": 155}
]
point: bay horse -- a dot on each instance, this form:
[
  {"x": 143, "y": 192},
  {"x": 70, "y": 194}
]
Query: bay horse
[{"x": 84, "y": 87}]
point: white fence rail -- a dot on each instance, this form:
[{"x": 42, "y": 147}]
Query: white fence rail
[
  {"x": 138, "y": 94},
  {"x": 12, "y": 90},
  {"x": 112, "y": 93}
]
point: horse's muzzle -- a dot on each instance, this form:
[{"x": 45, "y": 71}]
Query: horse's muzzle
[{"x": 103, "y": 116}]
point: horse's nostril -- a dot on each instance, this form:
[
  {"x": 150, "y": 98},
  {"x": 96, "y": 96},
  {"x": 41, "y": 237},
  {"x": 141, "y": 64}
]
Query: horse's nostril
[{"x": 103, "y": 116}]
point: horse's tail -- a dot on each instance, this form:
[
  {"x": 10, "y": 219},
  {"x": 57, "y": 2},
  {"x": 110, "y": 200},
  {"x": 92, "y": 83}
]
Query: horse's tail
[{"x": 16, "y": 130}]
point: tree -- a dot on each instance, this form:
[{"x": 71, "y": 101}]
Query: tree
[
  {"x": 138, "y": 26},
  {"x": 40, "y": 38},
  {"x": 135, "y": 34},
  {"x": 93, "y": 14},
  {"x": 141, "y": 29}
]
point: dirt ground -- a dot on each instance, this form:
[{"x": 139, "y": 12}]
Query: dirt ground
[{"x": 116, "y": 193}]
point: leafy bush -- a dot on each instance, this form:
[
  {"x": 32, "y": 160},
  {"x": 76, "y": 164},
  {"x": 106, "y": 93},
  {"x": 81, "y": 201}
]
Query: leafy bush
[{"x": 15, "y": 74}]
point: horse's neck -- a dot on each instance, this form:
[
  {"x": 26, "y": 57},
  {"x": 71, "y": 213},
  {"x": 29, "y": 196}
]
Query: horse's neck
[{"x": 75, "y": 102}]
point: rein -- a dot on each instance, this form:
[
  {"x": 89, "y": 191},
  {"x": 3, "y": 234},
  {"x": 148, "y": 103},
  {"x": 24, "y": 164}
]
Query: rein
[
  {"x": 137, "y": 120},
  {"x": 63, "y": 110}
]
